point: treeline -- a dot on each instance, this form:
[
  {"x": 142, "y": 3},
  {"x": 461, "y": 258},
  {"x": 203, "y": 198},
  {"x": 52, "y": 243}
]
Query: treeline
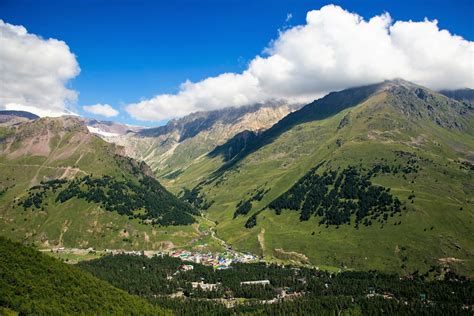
[
  {"x": 37, "y": 193},
  {"x": 145, "y": 199},
  {"x": 409, "y": 164},
  {"x": 136, "y": 274},
  {"x": 339, "y": 197},
  {"x": 245, "y": 206},
  {"x": 32, "y": 283},
  {"x": 195, "y": 198},
  {"x": 314, "y": 292}
]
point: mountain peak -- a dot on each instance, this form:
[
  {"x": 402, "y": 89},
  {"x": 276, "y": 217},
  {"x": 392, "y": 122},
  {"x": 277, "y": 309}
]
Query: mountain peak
[
  {"x": 399, "y": 82},
  {"x": 417, "y": 102}
]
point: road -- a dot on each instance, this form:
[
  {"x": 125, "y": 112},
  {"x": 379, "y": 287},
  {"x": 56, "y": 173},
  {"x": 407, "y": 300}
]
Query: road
[{"x": 213, "y": 232}]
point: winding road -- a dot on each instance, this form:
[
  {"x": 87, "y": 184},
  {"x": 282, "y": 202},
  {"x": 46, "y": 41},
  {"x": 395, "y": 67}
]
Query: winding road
[{"x": 213, "y": 232}]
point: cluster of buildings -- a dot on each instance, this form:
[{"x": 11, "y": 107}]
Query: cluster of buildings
[
  {"x": 217, "y": 260},
  {"x": 124, "y": 252},
  {"x": 221, "y": 260}
]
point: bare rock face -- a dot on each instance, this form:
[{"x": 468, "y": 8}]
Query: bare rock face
[
  {"x": 42, "y": 136},
  {"x": 181, "y": 141}
]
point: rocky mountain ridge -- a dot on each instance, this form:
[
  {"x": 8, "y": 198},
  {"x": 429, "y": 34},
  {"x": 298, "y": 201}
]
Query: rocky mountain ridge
[{"x": 178, "y": 143}]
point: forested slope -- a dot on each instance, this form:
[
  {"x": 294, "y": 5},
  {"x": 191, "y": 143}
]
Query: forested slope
[{"x": 32, "y": 283}]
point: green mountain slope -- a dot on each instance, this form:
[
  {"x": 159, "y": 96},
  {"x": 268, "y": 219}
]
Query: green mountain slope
[
  {"x": 62, "y": 186},
  {"x": 32, "y": 283},
  {"x": 415, "y": 145}
]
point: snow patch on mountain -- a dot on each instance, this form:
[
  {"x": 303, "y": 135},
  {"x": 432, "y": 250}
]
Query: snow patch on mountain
[{"x": 98, "y": 131}]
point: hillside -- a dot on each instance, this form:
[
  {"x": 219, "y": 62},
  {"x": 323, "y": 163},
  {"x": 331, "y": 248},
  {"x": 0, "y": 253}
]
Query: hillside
[
  {"x": 171, "y": 148},
  {"x": 376, "y": 177},
  {"x": 61, "y": 186},
  {"x": 32, "y": 283}
]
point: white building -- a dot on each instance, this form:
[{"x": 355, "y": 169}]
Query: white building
[{"x": 259, "y": 282}]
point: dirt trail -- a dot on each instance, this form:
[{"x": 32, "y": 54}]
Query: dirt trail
[
  {"x": 64, "y": 229},
  {"x": 261, "y": 240},
  {"x": 291, "y": 255},
  {"x": 213, "y": 233},
  {"x": 77, "y": 170},
  {"x": 79, "y": 159},
  {"x": 71, "y": 172},
  {"x": 34, "y": 179}
]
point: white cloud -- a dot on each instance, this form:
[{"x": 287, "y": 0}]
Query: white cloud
[
  {"x": 101, "y": 109},
  {"x": 34, "y": 72},
  {"x": 334, "y": 50},
  {"x": 289, "y": 16},
  {"x": 212, "y": 93}
]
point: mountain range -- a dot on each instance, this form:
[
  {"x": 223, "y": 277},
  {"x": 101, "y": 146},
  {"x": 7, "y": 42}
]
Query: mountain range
[
  {"x": 373, "y": 177},
  {"x": 169, "y": 148}
]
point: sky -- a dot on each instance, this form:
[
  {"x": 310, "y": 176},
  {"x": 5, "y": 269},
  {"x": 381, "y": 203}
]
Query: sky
[{"x": 144, "y": 62}]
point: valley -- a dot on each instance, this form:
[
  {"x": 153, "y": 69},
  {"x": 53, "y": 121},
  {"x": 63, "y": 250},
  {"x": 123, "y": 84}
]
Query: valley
[
  {"x": 374, "y": 178},
  {"x": 236, "y": 158},
  {"x": 306, "y": 190}
]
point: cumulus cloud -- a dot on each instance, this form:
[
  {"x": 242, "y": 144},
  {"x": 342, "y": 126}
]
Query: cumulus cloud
[
  {"x": 335, "y": 49},
  {"x": 101, "y": 109},
  {"x": 228, "y": 89},
  {"x": 34, "y": 72}
]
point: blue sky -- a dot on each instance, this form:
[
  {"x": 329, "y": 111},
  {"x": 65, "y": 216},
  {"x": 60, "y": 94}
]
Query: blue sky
[{"x": 130, "y": 50}]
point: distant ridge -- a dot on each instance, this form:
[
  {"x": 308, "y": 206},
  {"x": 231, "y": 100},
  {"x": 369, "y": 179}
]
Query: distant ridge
[
  {"x": 465, "y": 95},
  {"x": 176, "y": 145},
  {"x": 194, "y": 123},
  {"x": 24, "y": 114},
  {"x": 335, "y": 102}
]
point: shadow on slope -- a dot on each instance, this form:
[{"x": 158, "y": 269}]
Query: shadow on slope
[{"x": 245, "y": 143}]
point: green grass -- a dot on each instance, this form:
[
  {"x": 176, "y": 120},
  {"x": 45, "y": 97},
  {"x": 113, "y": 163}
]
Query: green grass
[
  {"x": 376, "y": 130},
  {"x": 33, "y": 283},
  {"x": 432, "y": 228},
  {"x": 72, "y": 257},
  {"x": 77, "y": 223}
]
